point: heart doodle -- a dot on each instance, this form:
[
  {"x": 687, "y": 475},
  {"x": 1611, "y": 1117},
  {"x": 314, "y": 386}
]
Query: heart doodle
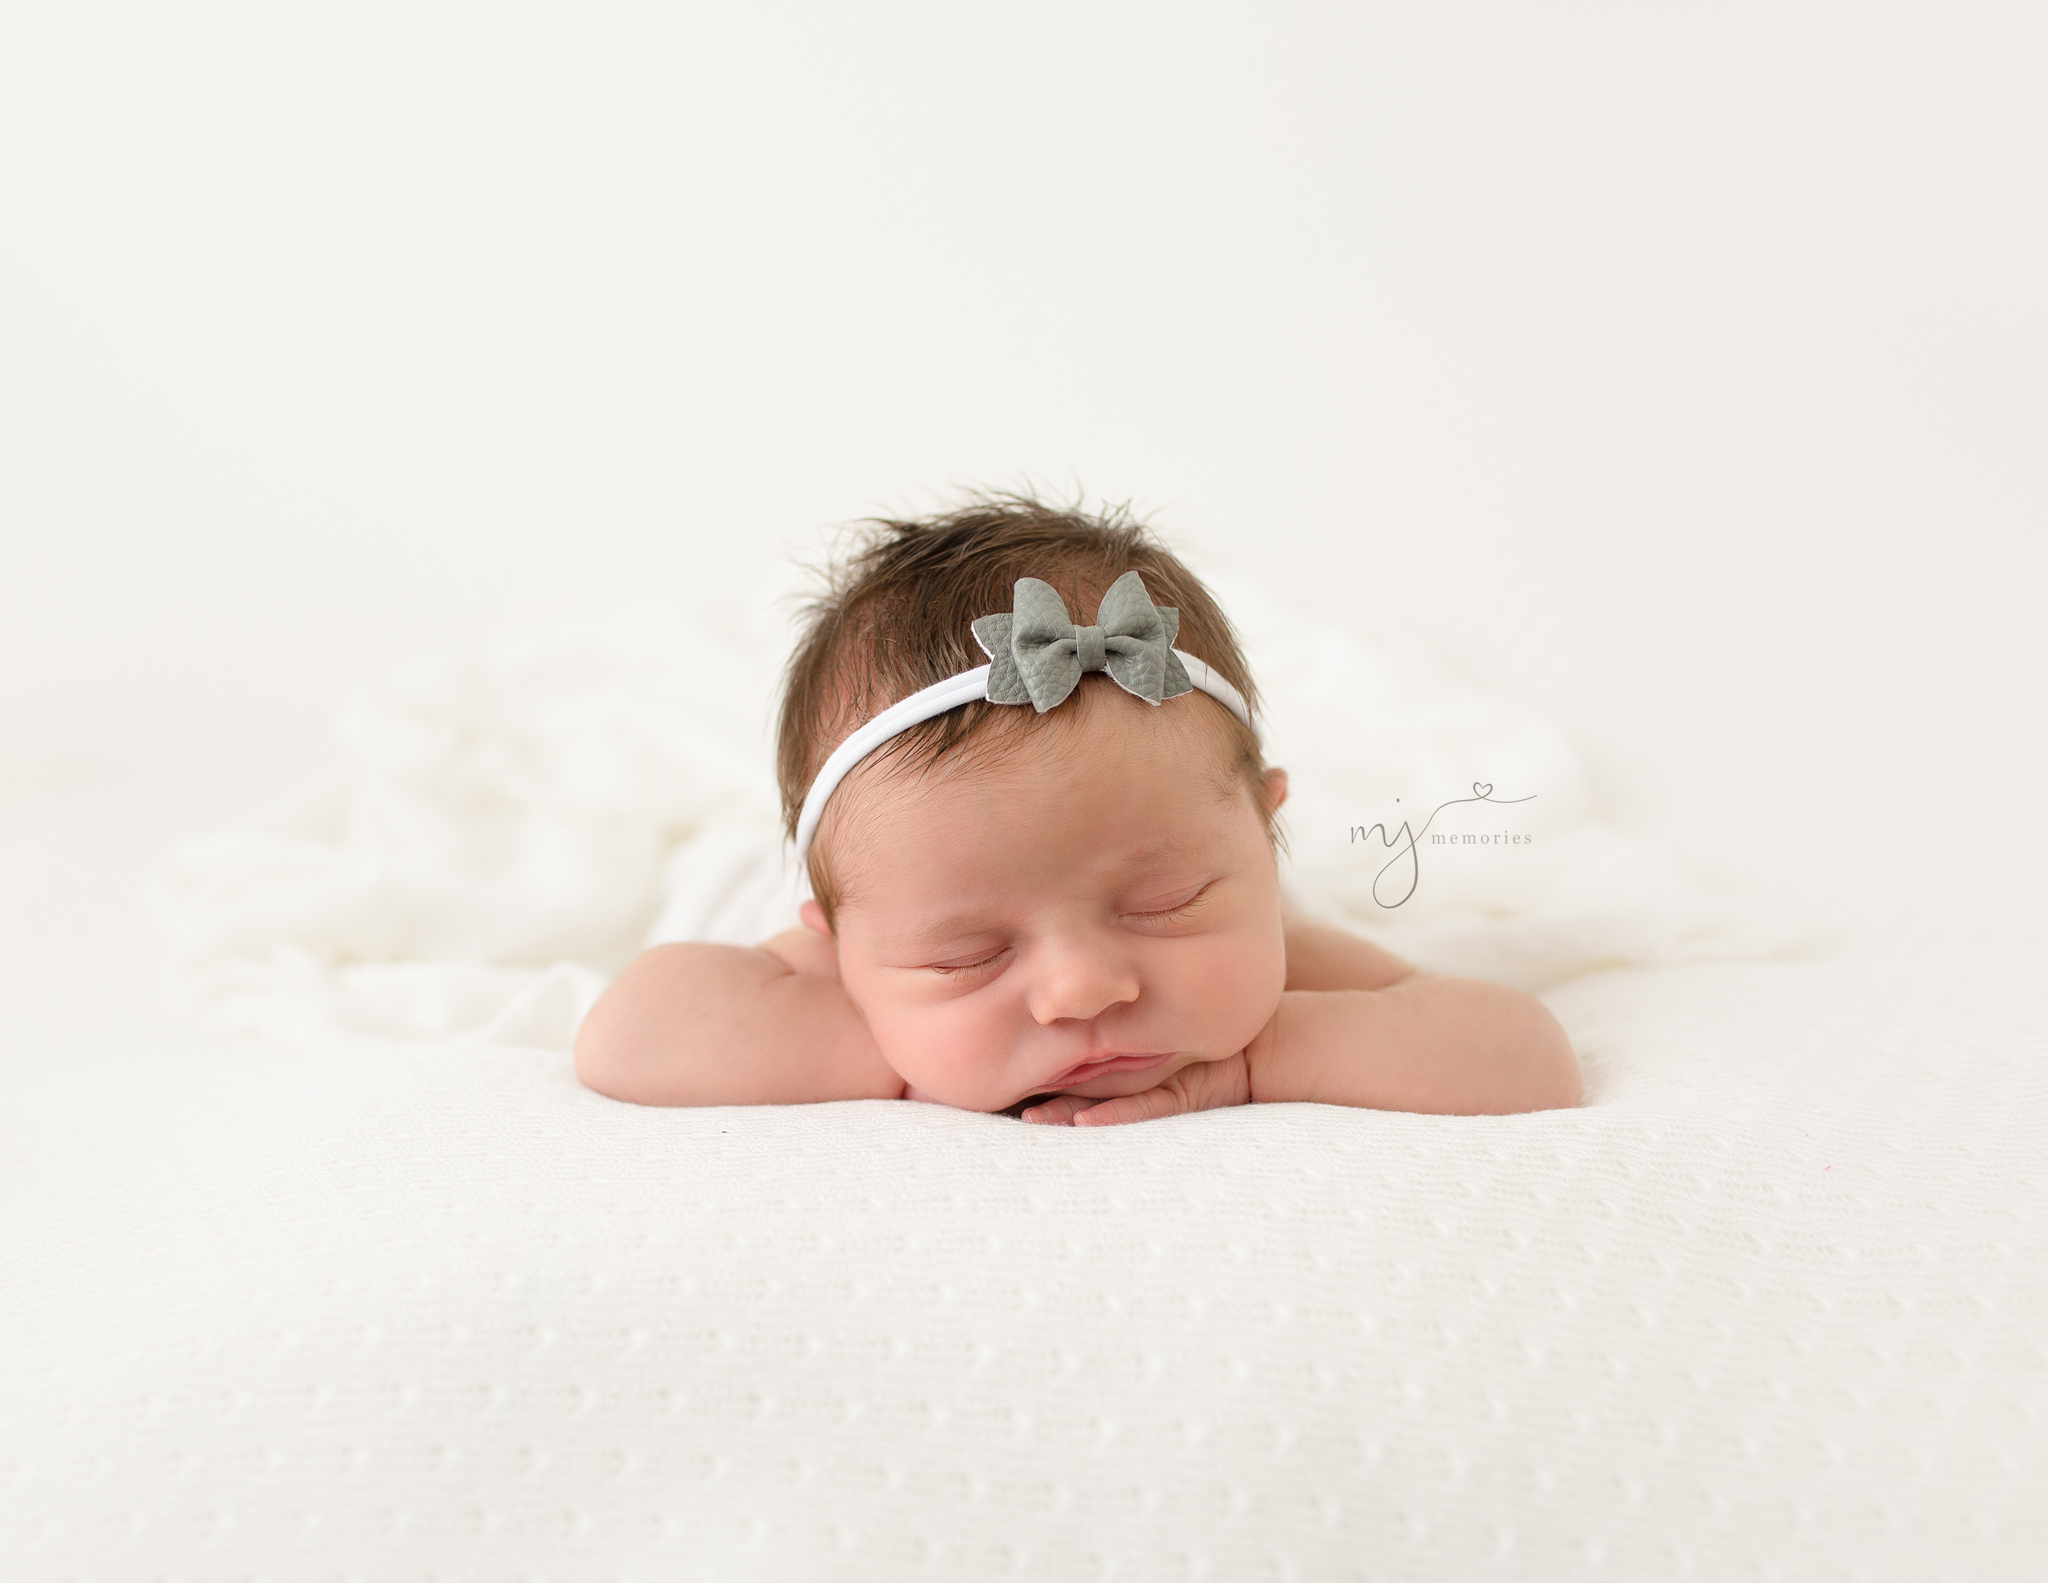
[{"x": 1482, "y": 790}]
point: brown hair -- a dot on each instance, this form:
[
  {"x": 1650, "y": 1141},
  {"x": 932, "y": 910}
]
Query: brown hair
[{"x": 895, "y": 616}]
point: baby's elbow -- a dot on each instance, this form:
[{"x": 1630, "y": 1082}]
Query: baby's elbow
[
  {"x": 1532, "y": 1066},
  {"x": 602, "y": 1054},
  {"x": 623, "y": 1050},
  {"x": 1554, "y": 1078},
  {"x": 664, "y": 1032},
  {"x": 1560, "y": 1087}
]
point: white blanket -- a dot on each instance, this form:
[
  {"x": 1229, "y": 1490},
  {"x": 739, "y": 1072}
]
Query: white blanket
[
  {"x": 509, "y": 830},
  {"x": 1770, "y": 1305}
]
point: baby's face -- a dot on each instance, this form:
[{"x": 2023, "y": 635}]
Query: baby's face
[{"x": 1087, "y": 913}]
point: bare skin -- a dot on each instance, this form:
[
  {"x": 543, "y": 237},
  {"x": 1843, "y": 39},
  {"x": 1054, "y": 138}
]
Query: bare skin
[{"x": 1094, "y": 926}]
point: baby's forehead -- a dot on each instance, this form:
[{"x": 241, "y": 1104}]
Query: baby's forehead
[
  {"x": 1155, "y": 781},
  {"x": 1100, "y": 731}
]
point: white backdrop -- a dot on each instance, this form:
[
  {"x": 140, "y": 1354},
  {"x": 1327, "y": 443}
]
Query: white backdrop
[
  {"x": 1681, "y": 370},
  {"x": 1678, "y": 369}
]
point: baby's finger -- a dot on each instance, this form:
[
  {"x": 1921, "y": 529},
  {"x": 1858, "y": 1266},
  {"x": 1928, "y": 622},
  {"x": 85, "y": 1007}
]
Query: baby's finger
[
  {"x": 1147, "y": 1106},
  {"x": 1059, "y": 1111}
]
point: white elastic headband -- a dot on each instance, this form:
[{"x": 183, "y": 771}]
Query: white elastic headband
[{"x": 967, "y": 687}]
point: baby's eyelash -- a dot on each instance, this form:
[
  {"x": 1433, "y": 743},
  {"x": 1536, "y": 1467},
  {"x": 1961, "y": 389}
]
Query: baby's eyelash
[
  {"x": 1175, "y": 912},
  {"x": 966, "y": 967}
]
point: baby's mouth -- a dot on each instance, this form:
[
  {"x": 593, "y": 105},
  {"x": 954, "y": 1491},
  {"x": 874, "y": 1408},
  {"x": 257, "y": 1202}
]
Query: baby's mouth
[{"x": 1105, "y": 1064}]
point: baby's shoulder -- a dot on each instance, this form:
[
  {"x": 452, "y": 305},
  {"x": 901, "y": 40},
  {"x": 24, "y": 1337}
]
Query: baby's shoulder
[{"x": 804, "y": 951}]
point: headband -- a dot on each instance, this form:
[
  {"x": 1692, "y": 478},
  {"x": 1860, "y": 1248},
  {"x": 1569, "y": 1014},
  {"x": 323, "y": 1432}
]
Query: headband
[{"x": 1037, "y": 656}]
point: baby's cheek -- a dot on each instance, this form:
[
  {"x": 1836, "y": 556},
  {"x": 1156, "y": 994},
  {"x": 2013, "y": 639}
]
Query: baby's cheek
[
  {"x": 885, "y": 1017},
  {"x": 1236, "y": 985},
  {"x": 948, "y": 1049},
  {"x": 894, "y": 1030},
  {"x": 942, "y": 1053}
]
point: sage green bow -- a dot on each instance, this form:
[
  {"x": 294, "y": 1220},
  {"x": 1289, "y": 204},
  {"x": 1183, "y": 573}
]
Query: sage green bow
[{"x": 1037, "y": 655}]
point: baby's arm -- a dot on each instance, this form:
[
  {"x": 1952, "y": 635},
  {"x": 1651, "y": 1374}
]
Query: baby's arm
[
  {"x": 1451, "y": 1046},
  {"x": 698, "y": 1024},
  {"x": 1321, "y": 958},
  {"x": 1358, "y": 1026}
]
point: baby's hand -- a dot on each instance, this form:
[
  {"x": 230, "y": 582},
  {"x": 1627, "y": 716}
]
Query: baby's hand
[{"x": 1206, "y": 1085}]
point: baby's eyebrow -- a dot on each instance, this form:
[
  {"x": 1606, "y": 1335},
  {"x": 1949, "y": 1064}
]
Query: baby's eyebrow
[
  {"x": 939, "y": 931},
  {"x": 1167, "y": 850}
]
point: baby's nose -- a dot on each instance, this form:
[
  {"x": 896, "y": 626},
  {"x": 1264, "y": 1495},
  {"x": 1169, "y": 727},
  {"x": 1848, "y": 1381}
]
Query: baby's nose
[{"x": 1080, "y": 982}]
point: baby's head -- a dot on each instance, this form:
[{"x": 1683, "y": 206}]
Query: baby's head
[{"x": 1015, "y": 893}]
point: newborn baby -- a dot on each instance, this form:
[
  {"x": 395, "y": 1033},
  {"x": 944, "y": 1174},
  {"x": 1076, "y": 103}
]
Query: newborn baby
[{"x": 1043, "y": 871}]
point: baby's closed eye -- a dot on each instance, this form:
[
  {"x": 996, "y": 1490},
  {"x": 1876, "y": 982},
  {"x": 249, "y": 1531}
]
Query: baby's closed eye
[
  {"x": 967, "y": 965},
  {"x": 1180, "y": 908}
]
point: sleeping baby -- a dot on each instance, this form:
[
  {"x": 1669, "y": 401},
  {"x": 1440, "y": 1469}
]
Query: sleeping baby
[{"x": 1042, "y": 858}]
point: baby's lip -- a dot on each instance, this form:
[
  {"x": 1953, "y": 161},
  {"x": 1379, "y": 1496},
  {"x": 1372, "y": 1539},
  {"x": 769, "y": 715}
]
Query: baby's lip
[{"x": 1106, "y": 1063}]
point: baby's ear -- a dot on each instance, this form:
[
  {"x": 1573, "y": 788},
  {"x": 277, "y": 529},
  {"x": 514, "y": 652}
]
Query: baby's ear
[
  {"x": 812, "y": 917},
  {"x": 1276, "y": 788}
]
